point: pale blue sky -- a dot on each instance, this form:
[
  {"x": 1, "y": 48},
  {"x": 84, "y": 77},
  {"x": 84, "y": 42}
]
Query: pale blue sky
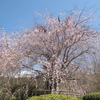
[{"x": 17, "y": 13}]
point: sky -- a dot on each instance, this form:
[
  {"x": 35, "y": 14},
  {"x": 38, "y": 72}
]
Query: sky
[{"x": 20, "y": 13}]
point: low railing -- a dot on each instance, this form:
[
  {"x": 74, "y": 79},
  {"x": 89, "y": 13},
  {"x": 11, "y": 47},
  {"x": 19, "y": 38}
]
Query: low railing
[{"x": 41, "y": 92}]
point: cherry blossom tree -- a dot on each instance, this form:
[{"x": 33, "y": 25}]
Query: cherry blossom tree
[{"x": 50, "y": 48}]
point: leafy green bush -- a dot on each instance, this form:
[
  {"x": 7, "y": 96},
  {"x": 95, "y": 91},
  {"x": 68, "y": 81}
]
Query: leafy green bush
[
  {"x": 52, "y": 97},
  {"x": 92, "y": 96}
]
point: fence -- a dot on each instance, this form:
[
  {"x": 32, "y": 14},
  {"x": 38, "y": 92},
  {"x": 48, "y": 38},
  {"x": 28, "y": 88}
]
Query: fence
[{"x": 39, "y": 92}]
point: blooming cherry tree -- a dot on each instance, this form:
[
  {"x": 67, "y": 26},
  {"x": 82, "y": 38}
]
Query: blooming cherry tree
[{"x": 55, "y": 45}]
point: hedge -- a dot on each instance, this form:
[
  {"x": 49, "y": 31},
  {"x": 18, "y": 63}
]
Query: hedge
[
  {"x": 92, "y": 96},
  {"x": 52, "y": 97}
]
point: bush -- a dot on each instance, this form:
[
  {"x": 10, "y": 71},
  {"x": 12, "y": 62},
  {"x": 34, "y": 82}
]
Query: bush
[
  {"x": 52, "y": 97},
  {"x": 92, "y": 96}
]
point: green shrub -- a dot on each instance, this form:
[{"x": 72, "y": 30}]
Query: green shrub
[
  {"x": 52, "y": 97},
  {"x": 92, "y": 96}
]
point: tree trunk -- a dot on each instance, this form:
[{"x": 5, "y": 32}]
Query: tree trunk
[
  {"x": 53, "y": 86},
  {"x": 57, "y": 86},
  {"x": 57, "y": 82}
]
